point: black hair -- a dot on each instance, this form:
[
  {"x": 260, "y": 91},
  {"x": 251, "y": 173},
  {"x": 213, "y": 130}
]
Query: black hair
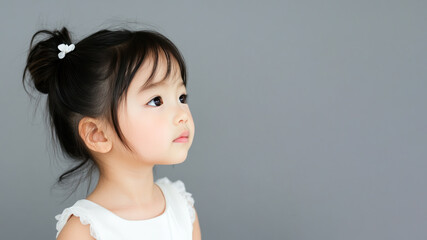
[{"x": 91, "y": 81}]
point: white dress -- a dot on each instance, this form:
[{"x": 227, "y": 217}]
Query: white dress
[{"x": 175, "y": 223}]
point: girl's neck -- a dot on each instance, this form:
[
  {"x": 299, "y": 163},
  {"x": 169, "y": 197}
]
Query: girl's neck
[{"x": 120, "y": 186}]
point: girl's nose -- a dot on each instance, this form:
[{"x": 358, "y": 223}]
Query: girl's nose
[{"x": 181, "y": 116}]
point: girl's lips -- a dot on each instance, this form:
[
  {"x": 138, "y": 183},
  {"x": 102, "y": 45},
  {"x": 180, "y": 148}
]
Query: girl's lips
[{"x": 181, "y": 139}]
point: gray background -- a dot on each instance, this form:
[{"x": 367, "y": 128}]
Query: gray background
[{"x": 310, "y": 116}]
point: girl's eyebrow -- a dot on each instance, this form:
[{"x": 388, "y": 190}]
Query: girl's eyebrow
[
  {"x": 151, "y": 85},
  {"x": 145, "y": 87}
]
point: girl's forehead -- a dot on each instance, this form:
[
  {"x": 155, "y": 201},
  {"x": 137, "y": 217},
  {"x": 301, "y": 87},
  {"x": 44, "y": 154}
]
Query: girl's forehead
[{"x": 147, "y": 77}]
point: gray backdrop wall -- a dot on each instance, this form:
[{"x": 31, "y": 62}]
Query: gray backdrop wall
[{"x": 310, "y": 116}]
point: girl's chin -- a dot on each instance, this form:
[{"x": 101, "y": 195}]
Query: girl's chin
[
  {"x": 177, "y": 161},
  {"x": 172, "y": 161}
]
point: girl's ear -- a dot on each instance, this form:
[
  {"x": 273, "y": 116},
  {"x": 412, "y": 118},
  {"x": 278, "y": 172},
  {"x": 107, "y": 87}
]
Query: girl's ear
[{"x": 94, "y": 133}]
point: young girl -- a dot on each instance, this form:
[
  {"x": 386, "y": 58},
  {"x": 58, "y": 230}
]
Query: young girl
[{"x": 117, "y": 101}]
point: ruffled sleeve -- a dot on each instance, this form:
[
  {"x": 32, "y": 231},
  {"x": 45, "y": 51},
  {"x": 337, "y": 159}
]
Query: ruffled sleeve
[
  {"x": 188, "y": 196},
  {"x": 179, "y": 185},
  {"x": 78, "y": 212}
]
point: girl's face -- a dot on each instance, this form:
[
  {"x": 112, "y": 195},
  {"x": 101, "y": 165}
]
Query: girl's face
[{"x": 151, "y": 119}]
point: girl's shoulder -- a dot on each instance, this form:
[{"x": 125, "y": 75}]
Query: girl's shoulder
[
  {"x": 179, "y": 192},
  {"x": 77, "y": 218},
  {"x": 74, "y": 229}
]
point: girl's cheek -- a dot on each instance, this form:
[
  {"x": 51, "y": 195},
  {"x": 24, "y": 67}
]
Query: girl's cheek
[{"x": 150, "y": 134}]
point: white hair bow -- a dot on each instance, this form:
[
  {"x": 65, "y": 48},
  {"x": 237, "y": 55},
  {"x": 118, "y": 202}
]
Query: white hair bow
[{"x": 64, "y": 48}]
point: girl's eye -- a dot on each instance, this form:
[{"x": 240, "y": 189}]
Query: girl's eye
[
  {"x": 157, "y": 101},
  {"x": 183, "y": 98}
]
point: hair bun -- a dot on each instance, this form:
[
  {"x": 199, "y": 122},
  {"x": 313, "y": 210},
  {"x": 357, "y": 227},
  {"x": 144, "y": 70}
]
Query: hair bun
[{"x": 43, "y": 61}]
